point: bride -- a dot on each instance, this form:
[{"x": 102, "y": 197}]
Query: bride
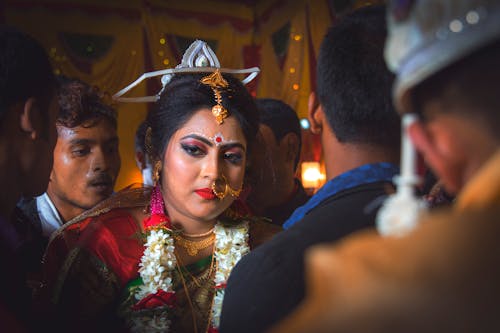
[{"x": 157, "y": 259}]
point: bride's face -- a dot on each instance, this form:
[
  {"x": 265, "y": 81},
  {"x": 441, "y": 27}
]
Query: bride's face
[{"x": 200, "y": 153}]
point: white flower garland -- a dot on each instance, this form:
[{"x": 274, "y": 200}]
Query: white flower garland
[
  {"x": 231, "y": 244},
  {"x": 158, "y": 262}
]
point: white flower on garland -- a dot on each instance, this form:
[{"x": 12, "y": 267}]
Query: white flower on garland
[
  {"x": 231, "y": 244},
  {"x": 157, "y": 263}
]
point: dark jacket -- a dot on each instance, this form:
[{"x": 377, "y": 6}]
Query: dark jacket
[
  {"x": 268, "y": 283},
  {"x": 280, "y": 214}
]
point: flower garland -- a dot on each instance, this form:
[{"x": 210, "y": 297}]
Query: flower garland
[{"x": 159, "y": 261}]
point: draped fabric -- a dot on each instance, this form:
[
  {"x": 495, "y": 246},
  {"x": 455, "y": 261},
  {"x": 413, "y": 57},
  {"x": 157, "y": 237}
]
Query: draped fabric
[
  {"x": 141, "y": 35},
  {"x": 91, "y": 265}
]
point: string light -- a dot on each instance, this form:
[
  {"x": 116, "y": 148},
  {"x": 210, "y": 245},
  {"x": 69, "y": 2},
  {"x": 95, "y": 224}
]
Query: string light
[
  {"x": 292, "y": 70},
  {"x": 166, "y": 61},
  {"x": 162, "y": 41},
  {"x": 304, "y": 123},
  {"x": 161, "y": 53},
  {"x": 295, "y": 86}
]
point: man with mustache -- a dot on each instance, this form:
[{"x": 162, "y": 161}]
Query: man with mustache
[{"x": 86, "y": 159}]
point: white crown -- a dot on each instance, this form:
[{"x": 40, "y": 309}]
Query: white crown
[{"x": 198, "y": 58}]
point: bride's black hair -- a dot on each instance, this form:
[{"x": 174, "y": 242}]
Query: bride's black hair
[{"x": 184, "y": 95}]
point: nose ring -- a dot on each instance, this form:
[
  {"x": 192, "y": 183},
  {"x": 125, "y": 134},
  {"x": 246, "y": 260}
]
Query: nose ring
[{"x": 235, "y": 193}]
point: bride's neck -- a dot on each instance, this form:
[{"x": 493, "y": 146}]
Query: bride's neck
[{"x": 193, "y": 227}]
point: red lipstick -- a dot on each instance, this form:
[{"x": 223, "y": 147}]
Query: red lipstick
[{"x": 206, "y": 193}]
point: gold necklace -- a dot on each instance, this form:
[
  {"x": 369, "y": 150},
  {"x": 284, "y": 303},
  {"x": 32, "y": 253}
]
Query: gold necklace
[
  {"x": 193, "y": 247},
  {"x": 199, "y": 235},
  {"x": 197, "y": 280}
]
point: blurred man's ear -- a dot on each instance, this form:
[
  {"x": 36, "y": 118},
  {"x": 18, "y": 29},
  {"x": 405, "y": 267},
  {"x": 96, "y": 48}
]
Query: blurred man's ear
[
  {"x": 291, "y": 143},
  {"x": 31, "y": 119},
  {"x": 315, "y": 114},
  {"x": 436, "y": 148}
]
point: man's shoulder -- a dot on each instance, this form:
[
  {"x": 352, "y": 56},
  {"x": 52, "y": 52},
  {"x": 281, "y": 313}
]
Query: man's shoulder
[
  {"x": 356, "y": 206},
  {"x": 270, "y": 262},
  {"x": 26, "y": 218}
]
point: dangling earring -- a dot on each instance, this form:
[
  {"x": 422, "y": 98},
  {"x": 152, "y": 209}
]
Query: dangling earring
[{"x": 156, "y": 173}]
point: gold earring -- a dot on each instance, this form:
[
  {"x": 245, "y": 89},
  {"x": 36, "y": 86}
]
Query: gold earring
[{"x": 156, "y": 173}]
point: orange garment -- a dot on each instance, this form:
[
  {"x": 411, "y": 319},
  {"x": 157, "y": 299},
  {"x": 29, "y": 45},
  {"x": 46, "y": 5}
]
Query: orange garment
[{"x": 443, "y": 277}]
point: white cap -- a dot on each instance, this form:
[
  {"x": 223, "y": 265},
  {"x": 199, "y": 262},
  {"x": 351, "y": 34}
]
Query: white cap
[{"x": 425, "y": 36}]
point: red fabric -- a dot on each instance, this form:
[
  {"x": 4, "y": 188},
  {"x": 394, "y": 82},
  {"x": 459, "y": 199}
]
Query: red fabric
[
  {"x": 251, "y": 58},
  {"x": 114, "y": 238},
  {"x": 157, "y": 220},
  {"x": 160, "y": 298}
]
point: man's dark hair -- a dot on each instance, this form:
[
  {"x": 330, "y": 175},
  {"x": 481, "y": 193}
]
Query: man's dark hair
[
  {"x": 281, "y": 119},
  {"x": 353, "y": 82},
  {"x": 140, "y": 136},
  {"x": 472, "y": 83},
  {"x": 25, "y": 71},
  {"x": 82, "y": 105}
]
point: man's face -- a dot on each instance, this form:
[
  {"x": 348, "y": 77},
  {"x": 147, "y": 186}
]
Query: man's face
[
  {"x": 266, "y": 169},
  {"x": 453, "y": 146},
  {"x": 86, "y": 165}
]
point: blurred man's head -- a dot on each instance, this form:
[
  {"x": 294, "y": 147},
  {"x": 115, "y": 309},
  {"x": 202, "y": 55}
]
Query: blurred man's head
[
  {"x": 276, "y": 154},
  {"x": 353, "y": 82},
  {"x": 28, "y": 109},
  {"x": 352, "y": 108},
  {"x": 141, "y": 154},
  {"x": 86, "y": 157},
  {"x": 448, "y": 75}
]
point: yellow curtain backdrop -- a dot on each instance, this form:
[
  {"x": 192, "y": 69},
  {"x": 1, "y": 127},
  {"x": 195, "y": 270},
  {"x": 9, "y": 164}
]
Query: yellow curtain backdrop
[
  {"x": 163, "y": 18},
  {"x": 309, "y": 19},
  {"x": 135, "y": 24}
]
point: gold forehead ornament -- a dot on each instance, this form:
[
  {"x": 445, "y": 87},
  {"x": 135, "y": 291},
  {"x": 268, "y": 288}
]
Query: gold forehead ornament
[{"x": 217, "y": 82}]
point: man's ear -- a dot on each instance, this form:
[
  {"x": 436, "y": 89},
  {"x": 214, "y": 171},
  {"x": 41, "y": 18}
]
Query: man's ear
[
  {"x": 30, "y": 119},
  {"x": 424, "y": 141},
  {"x": 291, "y": 143},
  {"x": 315, "y": 114}
]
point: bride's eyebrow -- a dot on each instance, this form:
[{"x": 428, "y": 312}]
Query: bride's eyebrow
[
  {"x": 198, "y": 137},
  {"x": 233, "y": 145}
]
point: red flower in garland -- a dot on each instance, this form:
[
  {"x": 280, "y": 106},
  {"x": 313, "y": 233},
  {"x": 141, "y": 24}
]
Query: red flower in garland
[{"x": 160, "y": 298}]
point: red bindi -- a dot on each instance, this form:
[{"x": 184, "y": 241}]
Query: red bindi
[{"x": 218, "y": 139}]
